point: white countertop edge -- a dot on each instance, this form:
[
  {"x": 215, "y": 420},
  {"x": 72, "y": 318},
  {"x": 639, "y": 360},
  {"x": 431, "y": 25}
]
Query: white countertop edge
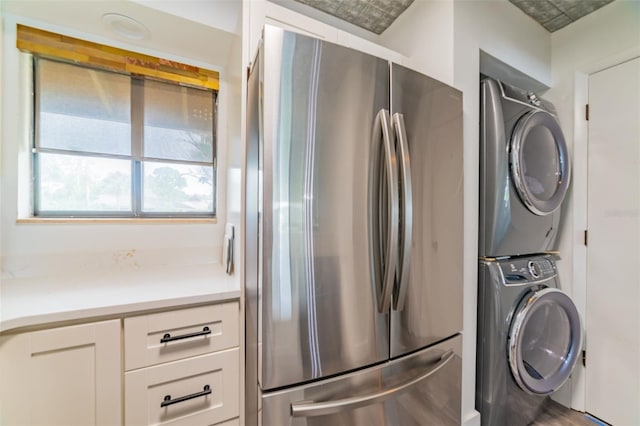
[
  {"x": 49, "y": 301},
  {"x": 115, "y": 311}
]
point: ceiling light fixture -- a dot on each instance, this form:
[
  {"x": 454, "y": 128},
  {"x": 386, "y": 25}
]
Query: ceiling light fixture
[{"x": 125, "y": 26}]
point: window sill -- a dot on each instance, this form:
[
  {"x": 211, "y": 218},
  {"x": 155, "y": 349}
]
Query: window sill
[{"x": 118, "y": 220}]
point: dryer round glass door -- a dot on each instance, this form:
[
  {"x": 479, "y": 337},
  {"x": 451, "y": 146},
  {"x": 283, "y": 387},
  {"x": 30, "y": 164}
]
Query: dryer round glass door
[
  {"x": 545, "y": 341},
  {"x": 539, "y": 162}
]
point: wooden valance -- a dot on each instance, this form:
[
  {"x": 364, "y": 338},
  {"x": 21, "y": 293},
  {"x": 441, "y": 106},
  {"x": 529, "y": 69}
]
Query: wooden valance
[{"x": 57, "y": 46}]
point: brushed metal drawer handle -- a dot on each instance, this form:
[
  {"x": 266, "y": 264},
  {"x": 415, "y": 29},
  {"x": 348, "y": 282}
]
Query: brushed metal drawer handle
[
  {"x": 321, "y": 408},
  {"x": 167, "y": 337},
  {"x": 168, "y": 401}
]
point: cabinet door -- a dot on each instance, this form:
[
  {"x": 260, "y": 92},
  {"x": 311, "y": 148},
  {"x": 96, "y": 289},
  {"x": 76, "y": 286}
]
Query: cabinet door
[{"x": 64, "y": 376}]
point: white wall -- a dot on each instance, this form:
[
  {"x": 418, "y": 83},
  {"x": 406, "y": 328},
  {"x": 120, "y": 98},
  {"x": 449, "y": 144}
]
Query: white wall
[
  {"x": 221, "y": 14},
  {"x": 503, "y": 31},
  {"x": 602, "y": 39},
  {"x": 235, "y": 152},
  {"x": 424, "y": 34},
  {"x": 1, "y": 124},
  {"x": 44, "y": 248}
]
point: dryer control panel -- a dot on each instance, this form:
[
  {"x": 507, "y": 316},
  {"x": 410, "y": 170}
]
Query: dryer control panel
[
  {"x": 527, "y": 270},
  {"x": 528, "y": 98}
]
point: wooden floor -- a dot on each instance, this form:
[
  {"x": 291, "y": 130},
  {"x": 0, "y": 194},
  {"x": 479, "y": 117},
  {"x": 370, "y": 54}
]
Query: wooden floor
[{"x": 554, "y": 414}]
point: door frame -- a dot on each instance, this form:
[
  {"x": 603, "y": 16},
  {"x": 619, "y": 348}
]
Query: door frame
[{"x": 578, "y": 203}]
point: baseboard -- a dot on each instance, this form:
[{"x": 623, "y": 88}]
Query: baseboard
[
  {"x": 595, "y": 420},
  {"x": 472, "y": 419}
]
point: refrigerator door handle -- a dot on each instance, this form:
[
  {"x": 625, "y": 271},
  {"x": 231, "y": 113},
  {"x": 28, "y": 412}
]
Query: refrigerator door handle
[
  {"x": 382, "y": 132},
  {"x": 311, "y": 408},
  {"x": 400, "y": 290}
]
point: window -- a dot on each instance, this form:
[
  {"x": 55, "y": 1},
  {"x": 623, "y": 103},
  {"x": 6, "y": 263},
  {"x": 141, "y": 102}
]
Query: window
[{"x": 116, "y": 145}]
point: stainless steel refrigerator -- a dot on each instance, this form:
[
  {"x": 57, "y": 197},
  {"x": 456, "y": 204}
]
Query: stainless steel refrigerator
[{"x": 353, "y": 239}]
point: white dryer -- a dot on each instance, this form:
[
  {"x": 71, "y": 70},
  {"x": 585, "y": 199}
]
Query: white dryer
[{"x": 524, "y": 172}]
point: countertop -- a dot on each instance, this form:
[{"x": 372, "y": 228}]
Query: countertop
[{"x": 38, "y": 301}]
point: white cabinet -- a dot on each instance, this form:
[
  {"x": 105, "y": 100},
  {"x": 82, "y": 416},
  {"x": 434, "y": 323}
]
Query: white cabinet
[
  {"x": 62, "y": 376},
  {"x": 183, "y": 367}
]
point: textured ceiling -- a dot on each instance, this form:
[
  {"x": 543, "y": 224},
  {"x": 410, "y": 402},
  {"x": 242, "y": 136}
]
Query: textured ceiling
[
  {"x": 377, "y": 15},
  {"x": 372, "y": 15},
  {"x": 555, "y": 14}
]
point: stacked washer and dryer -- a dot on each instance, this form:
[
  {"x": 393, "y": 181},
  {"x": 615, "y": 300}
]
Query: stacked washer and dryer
[{"x": 529, "y": 331}]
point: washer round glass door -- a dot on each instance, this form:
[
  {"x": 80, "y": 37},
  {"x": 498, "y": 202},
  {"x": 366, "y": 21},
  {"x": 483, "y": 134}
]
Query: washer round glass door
[
  {"x": 539, "y": 161},
  {"x": 545, "y": 341}
]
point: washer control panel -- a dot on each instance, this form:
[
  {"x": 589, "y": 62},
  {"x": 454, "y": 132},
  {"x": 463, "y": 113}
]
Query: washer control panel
[
  {"x": 534, "y": 269},
  {"x": 524, "y": 270}
]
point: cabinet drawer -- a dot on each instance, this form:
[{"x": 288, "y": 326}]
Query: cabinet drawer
[
  {"x": 203, "y": 390},
  {"x": 169, "y": 336},
  {"x": 234, "y": 422}
]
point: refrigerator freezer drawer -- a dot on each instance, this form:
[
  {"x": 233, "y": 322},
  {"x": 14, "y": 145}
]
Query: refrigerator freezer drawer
[{"x": 419, "y": 389}]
